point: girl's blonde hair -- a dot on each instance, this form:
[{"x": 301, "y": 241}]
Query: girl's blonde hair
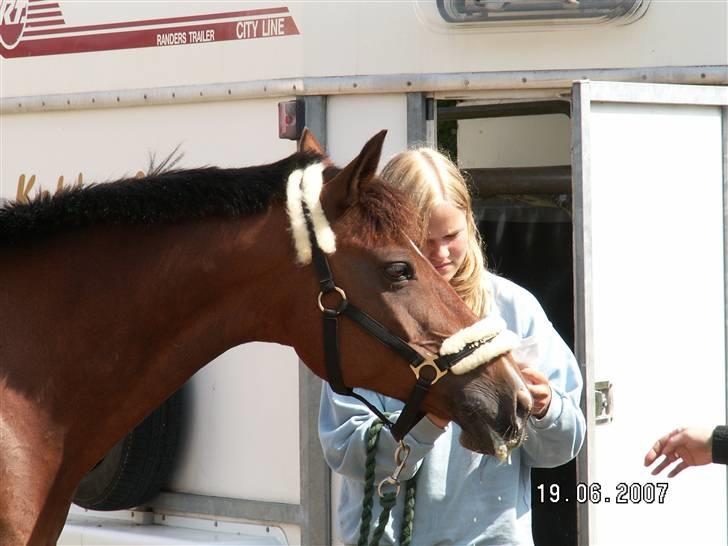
[{"x": 430, "y": 178}]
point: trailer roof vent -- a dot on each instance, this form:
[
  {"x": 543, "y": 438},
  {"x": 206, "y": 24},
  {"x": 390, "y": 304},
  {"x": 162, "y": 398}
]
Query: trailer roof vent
[{"x": 479, "y": 12}]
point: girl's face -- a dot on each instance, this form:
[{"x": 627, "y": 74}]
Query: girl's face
[{"x": 447, "y": 239}]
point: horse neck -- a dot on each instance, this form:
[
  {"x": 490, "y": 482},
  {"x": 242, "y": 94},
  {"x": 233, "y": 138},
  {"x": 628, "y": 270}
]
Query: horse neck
[
  {"x": 99, "y": 326},
  {"x": 134, "y": 311}
]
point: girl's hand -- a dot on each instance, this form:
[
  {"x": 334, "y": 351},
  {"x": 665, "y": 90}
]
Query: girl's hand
[{"x": 538, "y": 386}]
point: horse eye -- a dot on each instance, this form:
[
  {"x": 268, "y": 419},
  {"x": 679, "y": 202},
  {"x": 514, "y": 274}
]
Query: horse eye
[{"x": 398, "y": 271}]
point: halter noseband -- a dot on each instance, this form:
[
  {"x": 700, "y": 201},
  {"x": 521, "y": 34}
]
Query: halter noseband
[{"x": 437, "y": 366}]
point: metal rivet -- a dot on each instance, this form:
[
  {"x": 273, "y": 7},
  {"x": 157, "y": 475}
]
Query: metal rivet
[
  {"x": 230, "y": 91},
  {"x": 702, "y": 76},
  {"x": 355, "y": 85},
  {"x": 174, "y": 95},
  {"x": 524, "y": 80}
]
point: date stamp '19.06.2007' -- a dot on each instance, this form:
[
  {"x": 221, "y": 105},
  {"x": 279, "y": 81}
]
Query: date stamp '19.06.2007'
[{"x": 595, "y": 493}]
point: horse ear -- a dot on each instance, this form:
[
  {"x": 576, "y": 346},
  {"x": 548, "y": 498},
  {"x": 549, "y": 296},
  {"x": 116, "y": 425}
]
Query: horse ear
[
  {"x": 342, "y": 191},
  {"x": 309, "y": 143}
]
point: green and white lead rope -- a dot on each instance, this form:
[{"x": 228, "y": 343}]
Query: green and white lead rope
[{"x": 386, "y": 500}]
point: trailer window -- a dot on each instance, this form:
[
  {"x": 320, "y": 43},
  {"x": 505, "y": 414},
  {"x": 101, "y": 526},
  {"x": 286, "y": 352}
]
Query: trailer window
[{"x": 499, "y": 12}]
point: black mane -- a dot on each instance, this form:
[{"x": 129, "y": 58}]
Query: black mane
[{"x": 160, "y": 198}]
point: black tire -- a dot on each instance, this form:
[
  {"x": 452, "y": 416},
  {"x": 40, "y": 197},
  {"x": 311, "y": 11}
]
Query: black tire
[{"x": 136, "y": 468}]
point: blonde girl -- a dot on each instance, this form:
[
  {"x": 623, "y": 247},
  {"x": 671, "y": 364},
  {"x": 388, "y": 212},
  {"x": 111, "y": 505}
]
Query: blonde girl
[{"x": 462, "y": 497}]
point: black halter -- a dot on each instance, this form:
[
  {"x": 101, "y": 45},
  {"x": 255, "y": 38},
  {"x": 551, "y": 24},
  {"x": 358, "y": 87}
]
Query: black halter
[{"x": 438, "y": 366}]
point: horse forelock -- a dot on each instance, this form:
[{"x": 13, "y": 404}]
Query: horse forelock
[{"x": 383, "y": 215}]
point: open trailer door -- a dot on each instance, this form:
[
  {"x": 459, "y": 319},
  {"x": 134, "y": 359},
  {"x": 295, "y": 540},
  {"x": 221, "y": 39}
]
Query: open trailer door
[{"x": 649, "y": 175}]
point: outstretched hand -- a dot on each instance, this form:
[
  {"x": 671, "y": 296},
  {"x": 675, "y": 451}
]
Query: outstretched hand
[{"x": 691, "y": 446}]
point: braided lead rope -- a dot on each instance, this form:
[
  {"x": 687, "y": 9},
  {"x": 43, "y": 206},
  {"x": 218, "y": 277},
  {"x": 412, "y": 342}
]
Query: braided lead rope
[
  {"x": 387, "y": 500},
  {"x": 408, "y": 519},
  {"x": 371, "y": 463}
]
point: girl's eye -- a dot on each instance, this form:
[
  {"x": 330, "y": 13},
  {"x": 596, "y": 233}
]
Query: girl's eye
[{"x": 398, "y": 271}]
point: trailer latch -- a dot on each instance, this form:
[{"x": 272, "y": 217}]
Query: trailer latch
[{"x": 603, "y": 402}]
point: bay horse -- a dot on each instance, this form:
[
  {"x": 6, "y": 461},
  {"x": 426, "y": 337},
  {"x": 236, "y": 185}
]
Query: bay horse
[{"x": 112, "y": 296}]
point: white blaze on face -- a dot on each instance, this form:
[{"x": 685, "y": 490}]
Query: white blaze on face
[
  {"x": 492, "y": 330},
  {"x": 304, "y": 186}
]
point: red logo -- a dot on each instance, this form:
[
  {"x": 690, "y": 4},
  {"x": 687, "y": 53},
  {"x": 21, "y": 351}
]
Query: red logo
[
  {"x": 30, "y": 28},
  {"x": 13, "y": 14}
]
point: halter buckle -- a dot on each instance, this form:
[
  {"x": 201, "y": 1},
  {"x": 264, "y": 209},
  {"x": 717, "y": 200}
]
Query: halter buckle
[
  {"x": 428, "y": 362},
  {"x": 339, "y": 308}
]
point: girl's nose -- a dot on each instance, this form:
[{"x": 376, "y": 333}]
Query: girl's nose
[{"x": 438, "y": 252}]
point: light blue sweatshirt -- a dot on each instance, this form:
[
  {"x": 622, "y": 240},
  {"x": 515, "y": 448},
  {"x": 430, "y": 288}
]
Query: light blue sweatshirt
[{"x": 462, "y": 497}]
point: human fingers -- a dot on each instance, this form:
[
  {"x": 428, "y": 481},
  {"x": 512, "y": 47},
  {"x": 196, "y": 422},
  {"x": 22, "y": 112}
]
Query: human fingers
[
  {"x": 659, "y": 447},
  {"x": 667, "y": 461},
  {"x": 679, "y": 468},
  {"x": 534, "y": 376},
  {"x": 540, "y": 389}
]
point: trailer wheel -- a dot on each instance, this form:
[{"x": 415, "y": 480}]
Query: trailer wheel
[{"x": 133, "y": 471}]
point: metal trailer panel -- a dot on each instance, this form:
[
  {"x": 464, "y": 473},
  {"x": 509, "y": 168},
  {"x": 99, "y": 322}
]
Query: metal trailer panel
[
  {"x": 650, "y": 223},
  {"x": 107, "y": 144},
  {"x": 527, "y": 141},
  {"x": 355, "y": 38},
  {"x": 350, "y": 121},
  {"x": 241, "y": 436},
  {"x": 353, "y": 119}
]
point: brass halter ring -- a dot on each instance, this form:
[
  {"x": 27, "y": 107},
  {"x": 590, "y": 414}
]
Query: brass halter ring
[
  {"x": 429, "y": 363},
  {"x": 339, "y": 309}
]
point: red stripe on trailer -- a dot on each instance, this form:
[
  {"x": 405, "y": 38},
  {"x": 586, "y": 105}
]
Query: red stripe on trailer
[
  {"x": 271, "y": 27},
  {"x": 170, "y": 20}
]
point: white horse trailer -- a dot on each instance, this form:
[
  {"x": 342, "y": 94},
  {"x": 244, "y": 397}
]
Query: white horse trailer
[{"x": 596, "y": 134}]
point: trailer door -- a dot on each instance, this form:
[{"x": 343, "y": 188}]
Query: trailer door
[{"x": 649, "y": 179}]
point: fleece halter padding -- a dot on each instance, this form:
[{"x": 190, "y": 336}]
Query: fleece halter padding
[
  {"x": 497, "y": 340},
  {"x": 304, "y": 186}
]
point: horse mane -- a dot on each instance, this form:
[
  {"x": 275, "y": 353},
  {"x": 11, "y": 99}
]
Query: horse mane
[{"x": 162, "y": 197}]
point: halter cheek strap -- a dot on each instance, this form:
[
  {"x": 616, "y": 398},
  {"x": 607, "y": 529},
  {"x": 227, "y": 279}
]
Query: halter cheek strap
[
  {"x": 436, "y": 367},
  {"x": 305, "y": 210},
  {"x": 331, "y": 330}
]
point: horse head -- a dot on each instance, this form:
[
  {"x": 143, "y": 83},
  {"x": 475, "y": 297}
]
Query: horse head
[{"x": 375, "y": 263}]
